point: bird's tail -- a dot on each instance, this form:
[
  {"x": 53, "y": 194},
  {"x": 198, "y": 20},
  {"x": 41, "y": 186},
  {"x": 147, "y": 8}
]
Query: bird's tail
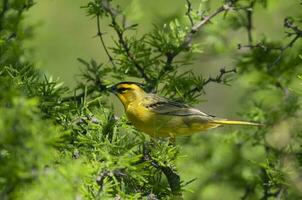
[{"x": 233, "y": 122}]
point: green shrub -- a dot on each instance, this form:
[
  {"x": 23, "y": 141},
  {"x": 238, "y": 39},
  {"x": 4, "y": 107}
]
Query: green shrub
[{"x": 59, "y": 143}]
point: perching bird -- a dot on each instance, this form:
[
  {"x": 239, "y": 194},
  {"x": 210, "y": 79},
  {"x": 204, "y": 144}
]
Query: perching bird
[{"x": 161, "y": 117}]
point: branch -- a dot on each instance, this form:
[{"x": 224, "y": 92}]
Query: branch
[
  {"x": 259, "y": 45},
  {"x": 100, "y": 35},
  {"x": 200, "y": 24},
  {"x": 189, "y": 37},
  {"x": 189, "y": 10},
  {"x": 251, "y": 46},
  {"x": 290, "y": 25},
  {"x": 120, "y": 33},
  {"x": 217, "y": 79},
  {"x": 167, "y": 67},
  {"x": 297, "y": 33},
  {"x": 249, "y": 26},
  {"x": 283, "y": 49},
  {"x": 172, "y": 177}
]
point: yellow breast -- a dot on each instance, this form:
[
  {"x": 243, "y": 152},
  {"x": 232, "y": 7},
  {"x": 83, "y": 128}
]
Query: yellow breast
[
  {"x": 139, "y": 116},
  {"x": 158, "y": 125}
]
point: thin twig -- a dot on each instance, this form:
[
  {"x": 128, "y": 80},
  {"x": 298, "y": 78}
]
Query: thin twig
[
  {"x": 189, "y": 10},
  {"x": 201, "y": 23},
  {"x": 189, "y": 37},
  {"x": 251, "y": 46},
  {"x": 172, "y": 177},
  {"x": 249, "y": 26},
  {"x": 290, "y": 25},
  {"x": 100, "y": 35},
  {"x": 167, "y": 66},
  {"x": 120, "y": 33},
  {"x": 297, "y": 33},
  {"x": 259, "y": 45},
  {"x": 283, "y": 49},
  {"x": 217, "y": 79}
]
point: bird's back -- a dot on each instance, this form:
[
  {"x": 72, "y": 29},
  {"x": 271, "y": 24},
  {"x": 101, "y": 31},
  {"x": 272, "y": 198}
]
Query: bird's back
[{"x": 160, "y": 117}]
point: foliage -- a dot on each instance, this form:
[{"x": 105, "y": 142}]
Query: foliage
[{"x": 68, "y": 144}]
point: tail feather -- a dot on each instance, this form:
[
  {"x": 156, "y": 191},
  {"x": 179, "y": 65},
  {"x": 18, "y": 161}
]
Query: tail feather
[{"x": 234, "y": 122}]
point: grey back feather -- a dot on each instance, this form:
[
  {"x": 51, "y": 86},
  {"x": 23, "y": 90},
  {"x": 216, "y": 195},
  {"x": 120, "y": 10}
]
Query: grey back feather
[{"x": 164, "y": 106}]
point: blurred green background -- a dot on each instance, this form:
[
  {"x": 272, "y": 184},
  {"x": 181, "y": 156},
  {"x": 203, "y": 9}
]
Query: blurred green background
[{"x": 64, "y": 33}]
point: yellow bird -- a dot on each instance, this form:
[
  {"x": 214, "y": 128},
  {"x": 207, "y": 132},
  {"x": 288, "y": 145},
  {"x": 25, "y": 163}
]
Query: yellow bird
[{"x": 161, "y": 117}]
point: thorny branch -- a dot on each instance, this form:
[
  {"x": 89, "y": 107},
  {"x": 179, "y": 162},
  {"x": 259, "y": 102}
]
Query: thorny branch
[
  {"x": 172, "y": 177},
  {"x": 218, "y": 79},
  {"x": 283, "y": 49},
  {"x": 289, "y": 24},
  {"x": 113, "y": 13},
  {"x": 200, "y": 24},
  {"x": 189, "y": 10},
  {"x": 100, "y": 35},
  {"x": 249, "y": 25},
  {"x": 189, "y": 37},
  {"x": 297, "y": 33},
  {"x": 258, "y": 45}
]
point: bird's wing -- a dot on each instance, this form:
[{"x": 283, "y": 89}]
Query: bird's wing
[{"x": 164, "y": 106}]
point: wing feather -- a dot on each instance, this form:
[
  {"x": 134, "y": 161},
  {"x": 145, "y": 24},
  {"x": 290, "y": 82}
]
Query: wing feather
[{"x": 164, "y": 106}]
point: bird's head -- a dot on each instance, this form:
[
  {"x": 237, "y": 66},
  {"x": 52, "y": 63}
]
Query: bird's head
[{"x": 128, "y": 92}]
